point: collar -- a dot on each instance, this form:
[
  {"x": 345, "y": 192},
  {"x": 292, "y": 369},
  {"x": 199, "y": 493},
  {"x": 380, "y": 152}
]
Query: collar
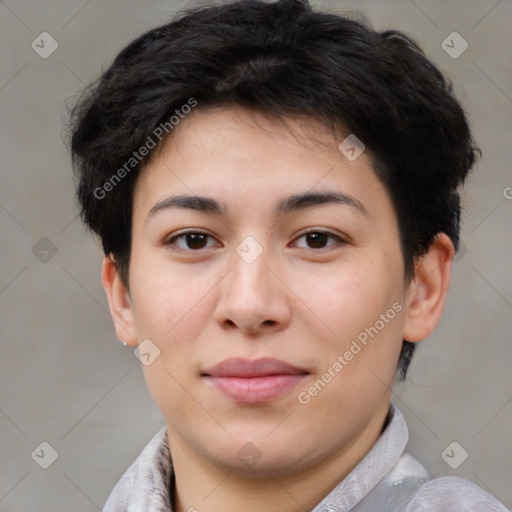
[{"x": 146, "y": 484}]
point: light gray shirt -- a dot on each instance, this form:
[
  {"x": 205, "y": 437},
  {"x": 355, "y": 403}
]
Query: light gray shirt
[{"x": 386, "y": 480}]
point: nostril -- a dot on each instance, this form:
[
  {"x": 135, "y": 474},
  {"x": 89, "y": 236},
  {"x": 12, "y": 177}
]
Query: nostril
[{"x": 269, "y": 322}]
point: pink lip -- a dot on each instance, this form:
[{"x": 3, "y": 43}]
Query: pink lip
[{"x": 255, "y": 381}]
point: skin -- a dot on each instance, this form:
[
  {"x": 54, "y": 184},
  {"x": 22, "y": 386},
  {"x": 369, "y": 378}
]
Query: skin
[{"x": 303, "y": 300}]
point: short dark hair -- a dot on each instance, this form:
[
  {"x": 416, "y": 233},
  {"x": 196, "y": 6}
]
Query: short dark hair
[{"x": 285, "y": 59}]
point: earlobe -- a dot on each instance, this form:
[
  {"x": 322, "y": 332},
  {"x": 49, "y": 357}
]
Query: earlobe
[
  {"x": 119, "y": 303},
  {"x": 427, "y": 291}
]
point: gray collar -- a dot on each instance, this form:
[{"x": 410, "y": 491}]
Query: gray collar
[
  {"x": 386, "y": 479},
  {"x": 146, "y": 484}
]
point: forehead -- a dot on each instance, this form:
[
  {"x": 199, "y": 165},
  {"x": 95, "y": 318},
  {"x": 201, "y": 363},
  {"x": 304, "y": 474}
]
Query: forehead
[{"x": 236, "y": 155}]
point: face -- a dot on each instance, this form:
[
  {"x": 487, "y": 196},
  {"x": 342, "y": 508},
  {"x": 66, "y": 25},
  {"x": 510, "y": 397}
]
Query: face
[{"x": 266, "y": 269}]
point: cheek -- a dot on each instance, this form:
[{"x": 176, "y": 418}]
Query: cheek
[
  {"x": 357, "y": 304},
  {"x": 343, "y": 298},
  {"x": 170, "y": 304},
  {"x": 171, "y": 309},
  {"x": 356, "y": 365}
]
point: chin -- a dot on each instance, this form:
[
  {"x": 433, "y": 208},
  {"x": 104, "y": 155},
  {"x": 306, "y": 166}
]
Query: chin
[
  {"x": 257, "y": 457},
  {"x": 278, "y": 465}
]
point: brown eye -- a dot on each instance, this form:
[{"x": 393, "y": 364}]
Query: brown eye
[
  {"x": 196, "y": 240},
  {"x": 318, "y": 240},
  {"x": 191, "y": 241}
]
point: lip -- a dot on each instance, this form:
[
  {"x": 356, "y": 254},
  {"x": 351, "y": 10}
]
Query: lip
[{"x": 256, "y": 381}]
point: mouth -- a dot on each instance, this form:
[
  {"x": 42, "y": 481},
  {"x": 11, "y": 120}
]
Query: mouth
[{"x": 256, "y": 381}]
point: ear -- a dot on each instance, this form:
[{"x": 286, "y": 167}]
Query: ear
[
  {"x": 119, "y": 302},
  {"x": 427, "y": 290}
]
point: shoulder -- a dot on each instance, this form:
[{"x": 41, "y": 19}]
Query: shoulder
[{"x": 454, "y": 494}]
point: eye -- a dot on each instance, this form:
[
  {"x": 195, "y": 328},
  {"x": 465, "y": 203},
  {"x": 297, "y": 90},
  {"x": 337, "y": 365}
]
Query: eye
[
  {"x": 318, "y": 240},
  {"x": 191, "y": 241}
]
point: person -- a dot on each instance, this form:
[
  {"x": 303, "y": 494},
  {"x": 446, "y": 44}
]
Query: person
[{"x": 276, "y": 190}]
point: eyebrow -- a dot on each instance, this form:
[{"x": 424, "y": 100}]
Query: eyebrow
[
  {"x": 203, "y": 204},
  {"x": 301, "y": 201},
  {"x": 287, "y": 205}
]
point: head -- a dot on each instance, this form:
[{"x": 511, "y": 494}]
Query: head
[{"x": 218, "y": 161}]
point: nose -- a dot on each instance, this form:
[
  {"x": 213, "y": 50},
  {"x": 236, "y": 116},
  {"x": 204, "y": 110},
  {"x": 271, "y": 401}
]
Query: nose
[{"x": 252, "y": 299}]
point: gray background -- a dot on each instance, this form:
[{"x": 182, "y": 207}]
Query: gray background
[{"x": 66, "y": 380}]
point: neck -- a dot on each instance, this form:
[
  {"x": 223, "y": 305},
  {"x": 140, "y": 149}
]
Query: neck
[{"x": 205, "y": 487}]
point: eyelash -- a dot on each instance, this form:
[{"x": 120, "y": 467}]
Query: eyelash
[{"x": 171, "y": 241}]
